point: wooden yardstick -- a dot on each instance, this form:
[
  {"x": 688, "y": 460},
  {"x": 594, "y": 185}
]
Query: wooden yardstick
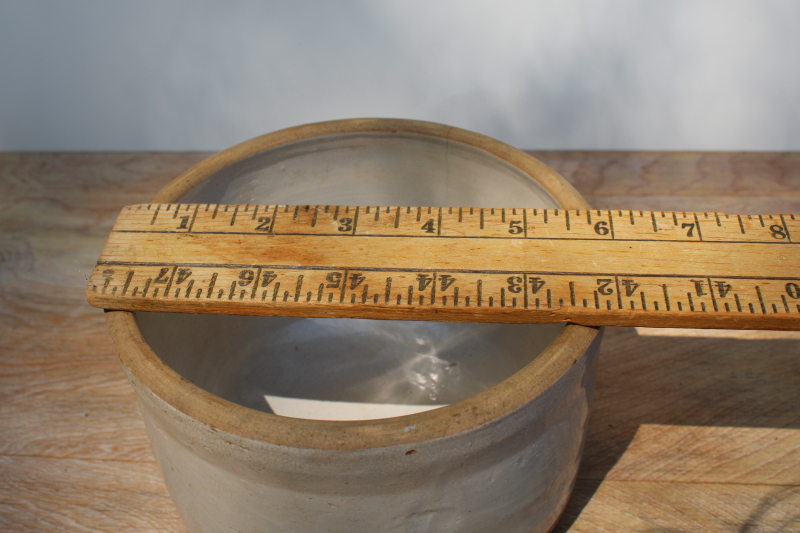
[{"x": 591, "y": 267}]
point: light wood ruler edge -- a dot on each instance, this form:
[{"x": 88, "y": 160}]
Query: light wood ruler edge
[{"x": 592, "y": 267}]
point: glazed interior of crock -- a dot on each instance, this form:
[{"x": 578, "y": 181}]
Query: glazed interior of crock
[{"x": 349, "y": 369}]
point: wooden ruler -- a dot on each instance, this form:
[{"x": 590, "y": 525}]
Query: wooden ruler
[{"x": 592, "y": 267}]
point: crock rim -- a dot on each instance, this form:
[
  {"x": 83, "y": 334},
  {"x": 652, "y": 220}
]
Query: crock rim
[{"x": 147, "y": 370}]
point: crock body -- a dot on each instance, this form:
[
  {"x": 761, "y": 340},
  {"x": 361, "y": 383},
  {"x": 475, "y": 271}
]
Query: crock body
[{"x": 502, "y": 453}]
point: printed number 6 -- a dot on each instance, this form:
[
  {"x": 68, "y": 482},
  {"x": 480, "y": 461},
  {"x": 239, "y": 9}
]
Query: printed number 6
[{"x": 601, "y": 228}]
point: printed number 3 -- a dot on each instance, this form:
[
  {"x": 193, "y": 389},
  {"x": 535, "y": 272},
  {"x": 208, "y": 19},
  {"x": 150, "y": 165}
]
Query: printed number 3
[{"x": 346, "y": 224}]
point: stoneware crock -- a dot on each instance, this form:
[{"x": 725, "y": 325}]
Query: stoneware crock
[{"x": 503, "y": 408}]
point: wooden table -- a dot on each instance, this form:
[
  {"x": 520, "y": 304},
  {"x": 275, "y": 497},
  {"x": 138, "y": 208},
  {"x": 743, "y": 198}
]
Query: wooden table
[{"x": 690, "y": 430}]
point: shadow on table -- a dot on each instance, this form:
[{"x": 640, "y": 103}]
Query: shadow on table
[{"x": 683, "y": 380}]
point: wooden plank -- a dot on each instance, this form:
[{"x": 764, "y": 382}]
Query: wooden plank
[
  {"x": 694, "y": 409},
  {"x": 741, "y": 182},
  {"x": 650, "y": 507},
  {"x": 63, "y": 394},
  {"x": 47, "y": 494},
  {"x": 702, "y": 411},
  {"x": 74, "y": 455},
  {"x": 62, "y": 391},
  {"x": 710, "y": 454},
  {"x": 708, "y": 175}
]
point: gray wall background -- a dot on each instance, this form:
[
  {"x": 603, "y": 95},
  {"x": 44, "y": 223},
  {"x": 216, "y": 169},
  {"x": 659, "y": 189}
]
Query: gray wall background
[{"x": 593, "y": 74}]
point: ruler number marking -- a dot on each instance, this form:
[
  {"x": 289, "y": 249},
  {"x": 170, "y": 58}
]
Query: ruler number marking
[
  {"x": 761, "y": 300},
  {"x": 699, "y": 231},
  {"x": 197, "y": 280},
  {"x": 711, "y": 292},
  {"x": 355, "y": 221},
  {"x": 525, "y": 231},
  {"x": 155, "y": 214},
  {"x": 601, "y": 228},
  {"x": 611, "y": 223}
]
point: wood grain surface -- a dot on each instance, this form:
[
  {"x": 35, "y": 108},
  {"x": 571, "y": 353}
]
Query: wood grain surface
[
  {"x": 689, "y": 431},
  {"x": 588, "y": 267}
]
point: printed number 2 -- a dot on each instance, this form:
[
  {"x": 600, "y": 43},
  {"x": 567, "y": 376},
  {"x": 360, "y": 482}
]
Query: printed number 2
[
  {"x": 603, "y": 286},
  {"x": 264, "y": 223}
]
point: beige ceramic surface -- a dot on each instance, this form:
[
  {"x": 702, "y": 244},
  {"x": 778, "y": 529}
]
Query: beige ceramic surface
[{"x": 503, "y": 454}]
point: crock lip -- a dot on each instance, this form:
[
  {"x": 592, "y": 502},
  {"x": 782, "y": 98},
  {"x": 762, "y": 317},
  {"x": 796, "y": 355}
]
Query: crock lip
[{"x": 147, "y": 370}]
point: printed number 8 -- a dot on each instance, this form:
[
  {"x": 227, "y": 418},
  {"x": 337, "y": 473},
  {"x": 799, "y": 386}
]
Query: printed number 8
[{"x": 778, "y": 231}]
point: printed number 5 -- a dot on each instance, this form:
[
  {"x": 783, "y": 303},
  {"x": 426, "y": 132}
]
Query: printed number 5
[{"x": 514, "y": 227}]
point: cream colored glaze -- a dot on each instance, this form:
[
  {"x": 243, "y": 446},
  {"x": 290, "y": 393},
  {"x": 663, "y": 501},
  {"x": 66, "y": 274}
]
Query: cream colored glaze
[
  {"x": 512, "y": 475},
  {"x": 504, "y": 457}
]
